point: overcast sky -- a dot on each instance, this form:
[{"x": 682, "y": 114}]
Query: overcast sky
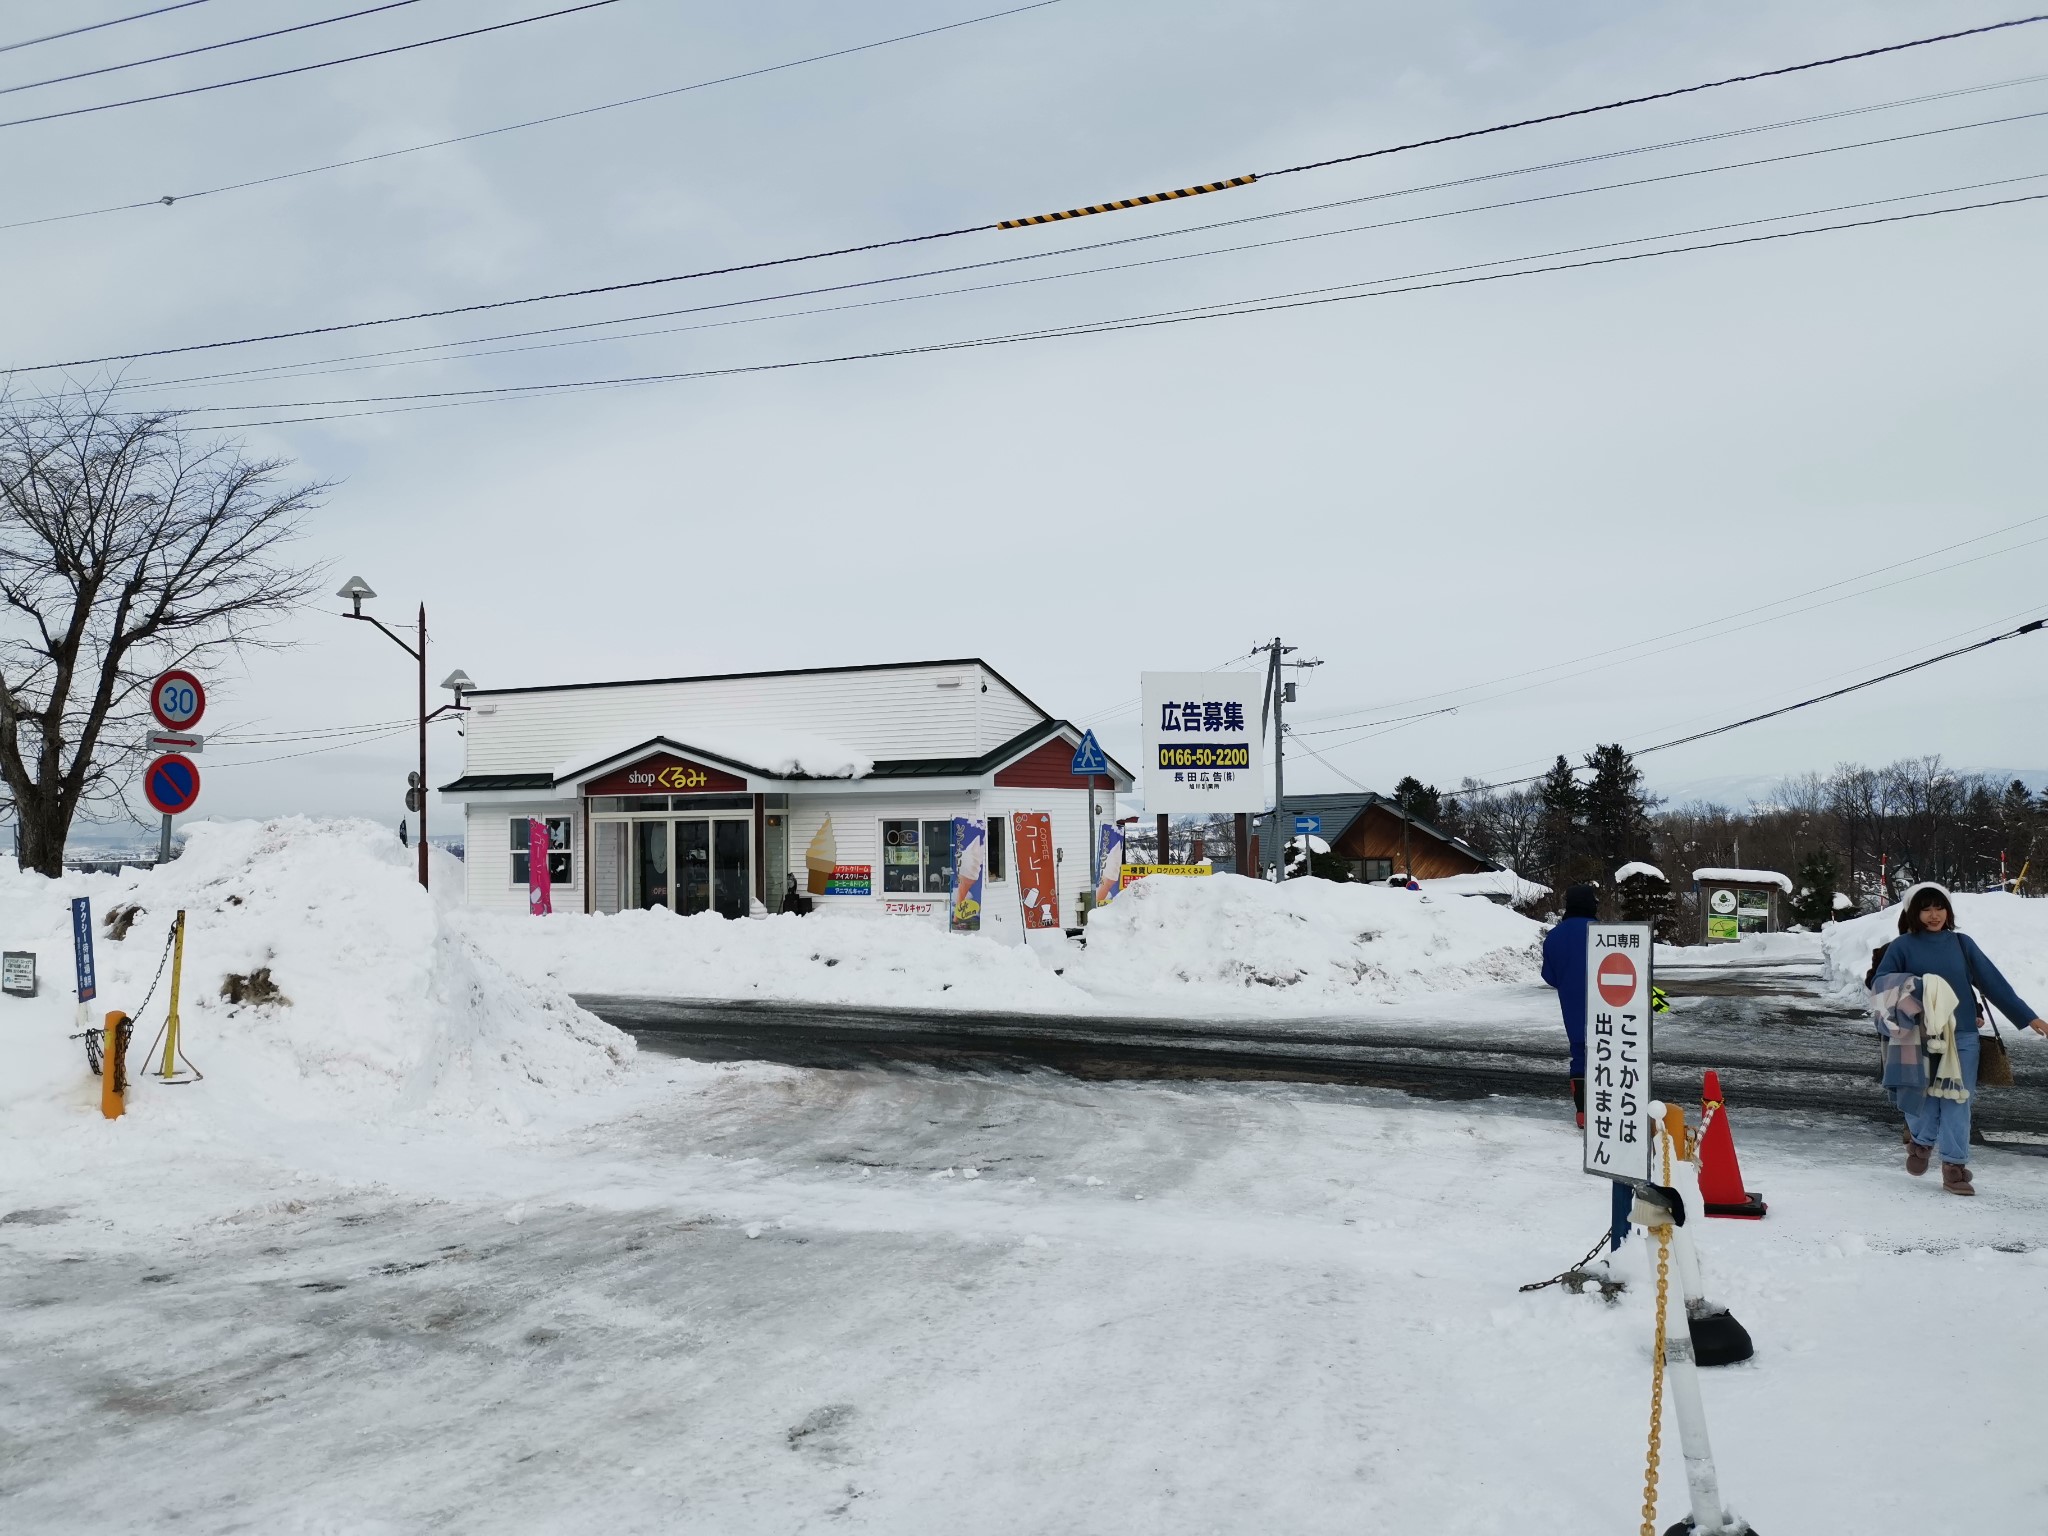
[{"x": 1436, "y": 492}]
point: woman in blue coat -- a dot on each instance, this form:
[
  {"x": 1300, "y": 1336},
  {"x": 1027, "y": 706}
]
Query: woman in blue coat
[{"x": 1930, "y": 945}]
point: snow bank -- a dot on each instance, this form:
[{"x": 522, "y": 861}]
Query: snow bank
[
  {"x": 854, "y": 957},
  {"x": 391, "y": 1011},
  {"x": 1314, "y": 941},
  {"x": 2011, "y": 930},
  {"x": 1504, "y": 883}
]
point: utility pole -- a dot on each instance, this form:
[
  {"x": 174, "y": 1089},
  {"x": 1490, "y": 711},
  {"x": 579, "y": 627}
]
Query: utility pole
[{"x": 1275, "y": 696}]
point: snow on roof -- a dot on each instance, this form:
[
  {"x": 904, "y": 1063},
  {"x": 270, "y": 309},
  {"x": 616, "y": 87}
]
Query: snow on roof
[
  {"x": 1490, "y": 882},
  {"x": 782, "y": 754},
  {"x": 1745, "y": 877},
  {"x": 1842, "y": 903},
  {"x": 1638, "y": 867}
]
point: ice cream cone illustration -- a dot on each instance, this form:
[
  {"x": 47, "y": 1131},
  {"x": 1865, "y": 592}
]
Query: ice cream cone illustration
[{"x": 821, "y": 858}]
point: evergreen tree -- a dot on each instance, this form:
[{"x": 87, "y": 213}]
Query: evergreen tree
[
  {"x": 1559, "y": 834},
  {"x": 1643, "y": 898},
  {"x": 1814, "y": 900},
  {"x": 1419, "y": 800},
  {"x": 1616, "y": 812}
]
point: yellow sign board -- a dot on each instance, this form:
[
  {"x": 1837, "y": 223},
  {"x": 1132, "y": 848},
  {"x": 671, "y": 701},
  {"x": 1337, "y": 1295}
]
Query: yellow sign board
[{"x": 1140, "y": 871}]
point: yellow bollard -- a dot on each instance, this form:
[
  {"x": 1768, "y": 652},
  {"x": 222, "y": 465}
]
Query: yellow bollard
[
  {"x": 1674, "y": 1127},
  {"x": 114, "y": 1066},
  {"x": 170, "y": 1066}
]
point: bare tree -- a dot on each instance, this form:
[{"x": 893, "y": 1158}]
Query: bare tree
[{"x": 127, "y": 544}]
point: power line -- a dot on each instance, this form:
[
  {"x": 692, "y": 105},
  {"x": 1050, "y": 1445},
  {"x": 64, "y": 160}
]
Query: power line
[
  {"x": 303, "y": 69},
  {"x": 534, "y": 122},
  {"x": 440, "y": 352},
  {"x": 186, "y": 53},
  {"x": 594, "y": 290},
  {"x": 99, "y": 26},
  {"x": 2027, "y": 628},
  {"x": 1302, "y": 299},
  {"x": 1683, "y": 90}
]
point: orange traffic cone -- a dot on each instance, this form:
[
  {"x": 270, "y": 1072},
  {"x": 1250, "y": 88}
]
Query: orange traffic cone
[{"x": 1720, "y": 1171}]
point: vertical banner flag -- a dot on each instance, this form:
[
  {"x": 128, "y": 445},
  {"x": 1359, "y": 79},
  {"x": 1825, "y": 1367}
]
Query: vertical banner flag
[
  {"x": 1037, "y": 869},
  {"x": 540, "y": 885},
  {"x": 81, "y": 946},
  {"x": 1618, "y": 1052},
  {"x": 970, "y": 863},
  {"x": 1110, "y": 877},
  {"x": 1202, "y": 734}
]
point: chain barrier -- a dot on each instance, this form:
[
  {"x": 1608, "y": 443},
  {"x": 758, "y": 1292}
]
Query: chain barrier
[
  {"x": 1577, "y": 1275},
  {"x": 1656, "y": 1453},
  {"x": 91, "y": 1037}
]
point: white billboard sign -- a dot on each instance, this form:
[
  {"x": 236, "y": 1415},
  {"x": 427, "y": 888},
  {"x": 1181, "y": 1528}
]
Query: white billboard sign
[
  {"x": 1202, "y": 738},
  {"x": 1618, "y": 1051}
]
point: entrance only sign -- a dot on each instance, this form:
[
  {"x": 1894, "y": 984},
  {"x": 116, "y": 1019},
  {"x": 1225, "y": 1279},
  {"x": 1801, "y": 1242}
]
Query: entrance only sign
[
  {"x": 1202, "y": 732},
  {"x": 1618, "y": 1052}
]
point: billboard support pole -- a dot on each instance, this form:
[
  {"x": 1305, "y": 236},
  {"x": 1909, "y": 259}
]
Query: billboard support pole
[{"x": 163, "y": 842}]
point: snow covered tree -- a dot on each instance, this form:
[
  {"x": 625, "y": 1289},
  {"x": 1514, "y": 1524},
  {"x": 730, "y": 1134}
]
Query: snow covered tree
[{"x": 128, "y": 545}]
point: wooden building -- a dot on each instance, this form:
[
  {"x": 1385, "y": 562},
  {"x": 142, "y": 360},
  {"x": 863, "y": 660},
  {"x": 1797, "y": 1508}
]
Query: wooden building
[{"x": 1379, "y": 840}]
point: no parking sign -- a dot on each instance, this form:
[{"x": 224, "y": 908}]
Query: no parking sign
[{"x": 171, "y": 783}]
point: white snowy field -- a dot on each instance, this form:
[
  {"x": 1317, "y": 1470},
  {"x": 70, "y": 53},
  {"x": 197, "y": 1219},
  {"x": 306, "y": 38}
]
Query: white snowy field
[{"x": 754, "y": 1299}]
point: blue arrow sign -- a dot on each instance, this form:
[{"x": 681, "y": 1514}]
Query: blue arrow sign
[
  {"x": 1088, "y": 757},
  {"x": 1306, "y": 825}
]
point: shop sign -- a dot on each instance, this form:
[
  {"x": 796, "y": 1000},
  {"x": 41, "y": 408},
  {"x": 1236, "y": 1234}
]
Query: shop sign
[
  {"x": 909, "y": 908},
  {"x": 1037, "y": 868},
  {"x": 666, "y": 774},
  {"x": 1202, "y": 732},
  {"x": 850, "y": 880},
  {"x": 970, "y": 860},
  {"x": 1140, "y": 871}
]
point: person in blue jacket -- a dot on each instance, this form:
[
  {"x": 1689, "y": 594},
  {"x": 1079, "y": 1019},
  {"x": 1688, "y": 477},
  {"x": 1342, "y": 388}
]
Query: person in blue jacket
[
  {"x": 1564, "y": 967},
  {"x": 1930, "y": 945}
]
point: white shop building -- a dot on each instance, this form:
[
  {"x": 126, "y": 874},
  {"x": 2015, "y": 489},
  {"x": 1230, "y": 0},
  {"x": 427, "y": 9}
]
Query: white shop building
[{"x": 726, "y": 793}]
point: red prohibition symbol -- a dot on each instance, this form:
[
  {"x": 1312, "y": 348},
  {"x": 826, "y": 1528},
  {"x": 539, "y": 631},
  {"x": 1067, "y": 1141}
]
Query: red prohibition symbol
[
  {"x": 171, "y": 783},
  {"x": 1617, "y": 980},
  {"x": 178, "y": 699}
]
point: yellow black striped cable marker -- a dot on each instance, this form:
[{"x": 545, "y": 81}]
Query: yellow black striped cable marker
[{"x": 1128, "y": 202}]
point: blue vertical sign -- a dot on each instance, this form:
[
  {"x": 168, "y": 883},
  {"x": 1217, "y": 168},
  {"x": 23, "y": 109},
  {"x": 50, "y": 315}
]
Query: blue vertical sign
[{"x": 81, "y": 946}]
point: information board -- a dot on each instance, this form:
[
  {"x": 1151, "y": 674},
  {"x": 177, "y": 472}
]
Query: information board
[
  {"x": 1618, "y": 1051},
  {"x": 1202, "y": 734}
]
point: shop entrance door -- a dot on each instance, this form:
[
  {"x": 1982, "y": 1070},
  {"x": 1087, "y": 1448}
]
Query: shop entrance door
[{"x": 701, "y": 864}]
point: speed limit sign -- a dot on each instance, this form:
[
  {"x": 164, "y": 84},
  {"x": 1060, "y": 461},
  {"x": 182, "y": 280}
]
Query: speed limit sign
[{"x": 178, "y": 700}]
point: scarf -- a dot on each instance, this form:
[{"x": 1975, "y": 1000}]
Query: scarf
[{"x": 1945, "y": 1079}]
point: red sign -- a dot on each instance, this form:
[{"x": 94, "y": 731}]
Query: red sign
[
  {"x": 171, "y": 784},
  {"x": 540, "y": 886},
  {"x": 177, "y": 699},
  {"x": 1616, "y": 979},
  {"x": 666, "y": 774},
  {"x": 1037, "y": 869}
]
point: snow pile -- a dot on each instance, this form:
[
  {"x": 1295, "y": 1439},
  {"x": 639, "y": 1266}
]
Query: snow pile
[
  {"x": 1638, "y": 868},
  {"x": 1500, "y": 884},
  {"x": 848, "y": 956},
  {"x": 383, "y": 1007},
  {"x": 2011, "y": 930},
  {"x": 1315, "y": 941}
]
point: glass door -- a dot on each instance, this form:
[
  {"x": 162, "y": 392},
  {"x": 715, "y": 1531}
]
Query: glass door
[
  {"x": 650, "y": 864},
  {"x": 693, "y": 867},
  {"x": 729, "y": 884}
]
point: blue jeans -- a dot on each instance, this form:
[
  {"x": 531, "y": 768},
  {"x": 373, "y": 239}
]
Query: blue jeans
[{"x": 1944, "y": 1124}]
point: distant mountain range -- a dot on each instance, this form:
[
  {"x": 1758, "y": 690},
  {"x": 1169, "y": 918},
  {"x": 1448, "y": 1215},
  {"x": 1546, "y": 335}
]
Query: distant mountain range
[{"x": 1737, "y": 790}]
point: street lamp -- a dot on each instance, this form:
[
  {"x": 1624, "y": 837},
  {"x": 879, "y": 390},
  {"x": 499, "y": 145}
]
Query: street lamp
[{"x": 355, "y": 589}]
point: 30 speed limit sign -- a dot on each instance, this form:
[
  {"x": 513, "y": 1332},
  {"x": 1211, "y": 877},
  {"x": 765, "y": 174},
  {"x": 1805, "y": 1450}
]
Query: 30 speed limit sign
[{"x": 178, "y": 700}]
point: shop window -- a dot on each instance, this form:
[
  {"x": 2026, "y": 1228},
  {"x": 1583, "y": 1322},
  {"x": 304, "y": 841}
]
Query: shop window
[
  {"x": 917, "y": 856},
  {"x": 561, "y": 869},
  {"x": 998, "y": 852},
  {"x": 1374, "y": 871}
]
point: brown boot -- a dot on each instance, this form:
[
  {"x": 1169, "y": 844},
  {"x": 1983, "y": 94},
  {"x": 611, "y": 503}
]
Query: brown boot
[
  {"x": 1955, "y": 1178},
  {"x": 1916, "y": 1157}
]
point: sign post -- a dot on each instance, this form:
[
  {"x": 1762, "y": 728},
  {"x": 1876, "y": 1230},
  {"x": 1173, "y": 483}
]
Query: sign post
[
  {"x": 81, "y": 954},
  {"x": 171, "y": 782}
]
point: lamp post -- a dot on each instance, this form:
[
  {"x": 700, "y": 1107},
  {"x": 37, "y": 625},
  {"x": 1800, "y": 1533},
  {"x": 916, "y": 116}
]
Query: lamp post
[{"x": 355, "y": 589}]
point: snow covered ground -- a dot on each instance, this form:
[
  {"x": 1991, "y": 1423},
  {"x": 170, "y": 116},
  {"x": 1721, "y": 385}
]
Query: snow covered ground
[
  {"x": 432, "y": 1249},
  {"x": 749, "y": 1299}
]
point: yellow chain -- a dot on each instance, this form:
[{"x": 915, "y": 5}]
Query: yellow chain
[{"x": 1657, "y": 1386}]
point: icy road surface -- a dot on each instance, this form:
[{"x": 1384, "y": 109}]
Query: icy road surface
[{"x": 761, "y": 1299}]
